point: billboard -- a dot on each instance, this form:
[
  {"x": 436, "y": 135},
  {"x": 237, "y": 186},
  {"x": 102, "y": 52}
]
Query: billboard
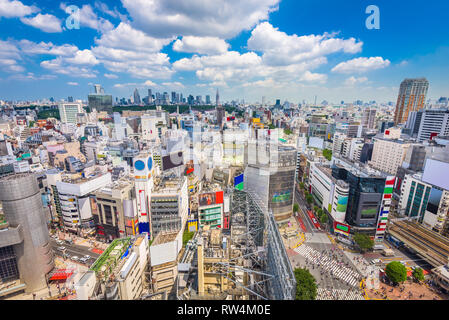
[
  {"x": 238, "y": 182},
  {"x": 341, "y": 228},
  {"x": 434, "y": 200},
  {"x": 210, "y": 198},
  {"x": 173, "y": 160},
  {"x": 432, "y": 173}
]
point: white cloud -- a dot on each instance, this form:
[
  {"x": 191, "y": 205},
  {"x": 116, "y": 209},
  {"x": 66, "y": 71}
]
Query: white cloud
[
  {"x": 111, "y": 76},
  {"x": 313, "y": 77},
  {"x": 88, "y": 18},
  {"x": 72, "y": 83},
  {"x": 12, "y": 9},
  {"x": 9, "y": 57},
  {"x": 60, "y": 66},
  {"x": 105, "y": 9},
  {"x": 127, "y": 38},
  {"x": 84, "y": 57},
  {"x": 125, "y": 49},
  {"x": 29, "y": 47},
  {"x": 278, "y": 48},
  {"x": 202, "y": 45},
  {"x": 45, "y": 22},
  {"x": 360, "y": 65},
  {"x": 351, "y": 81},
  {"x": 219, "y": 18},
  {"x": 173, "y": 84},
  {"x": 31, "y": 76}
]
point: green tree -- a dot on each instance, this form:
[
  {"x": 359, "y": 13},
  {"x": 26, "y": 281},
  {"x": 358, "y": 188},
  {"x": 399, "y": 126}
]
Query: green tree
[
  {"x": 306, "y": 287},
  {"x": 324, "y": 219},
  {"x": 309, "y": 199},
  {"x": 288, "y": 131},
  {"x": 363, "y": 241},
  {"x": 418, "y": 274},
  {"x": 295, "y": 207},
  {"x": 271, "y": 126},
  {"x": 315, "y": 208},
  {"x": 396, "y": 272},
  {"x": 327, "y": 154},
  {"x": 301, "y": 185}
]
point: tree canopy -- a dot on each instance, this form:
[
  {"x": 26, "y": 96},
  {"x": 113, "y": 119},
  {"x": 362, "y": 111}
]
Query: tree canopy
[
  {"x": 306, "y": 287},
  {"x": 396, "y": 272},
  {"x": 418, "y": 274},
  {"x": 363, "y": 241},
  {"x": 327, "y": 154},
  {"x": 295, "y": 207}
]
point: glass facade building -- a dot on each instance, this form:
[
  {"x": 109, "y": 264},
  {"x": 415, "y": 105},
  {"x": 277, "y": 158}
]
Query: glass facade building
[{"x": 100, "y": 102}]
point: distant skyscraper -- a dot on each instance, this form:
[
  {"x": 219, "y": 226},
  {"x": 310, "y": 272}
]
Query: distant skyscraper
[
  {"x": 411, "y": 97},
  {"x": 137, "y": 97},
  {"x": 173, "y": 97},
  {"x": 208, "y": 99},
  {"x": 100, "y": 101},
  {"x": 217, "y": 99},
  {"x": 70, "y": 99},
  {"x": 98, "y": 89},
  {"x": 150, "y": 96}
]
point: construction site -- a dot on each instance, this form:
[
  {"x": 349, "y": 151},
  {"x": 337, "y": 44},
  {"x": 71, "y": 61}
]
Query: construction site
[{"x": 247, "y": 261}]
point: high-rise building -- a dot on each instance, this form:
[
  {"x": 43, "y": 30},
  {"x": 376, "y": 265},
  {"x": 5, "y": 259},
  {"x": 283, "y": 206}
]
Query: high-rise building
[
  {"x": 368, "y": 117},
  {"x": 137, "y": 97},
  {"x": 411, "y": 97},
  {"x": 150, "y": 96},
  {"x": 68, "y": 112},
  {"x": 100, "y": 101},
  {"x": 208, "y": 99},
  {"x": 217, "y": 99},
  {"x": 433, "y": 123},
  {"x": 388, "y": 155},
  {"x": 25, "y": 251},
  {"x": 173, "y": 97}
]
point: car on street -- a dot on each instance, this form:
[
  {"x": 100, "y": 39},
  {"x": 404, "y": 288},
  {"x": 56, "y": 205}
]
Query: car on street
[
  {"x": 87, "y": 256},
  {"x": 61, "y": 248},
  {"x": 83, "y": 260},
  {"x": 59, "y": 242},
  {"x": 375, "y": 261},
  {"x": 75, "y": 258}
]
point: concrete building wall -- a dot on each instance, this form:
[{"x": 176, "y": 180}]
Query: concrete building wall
[{"x": 22, "y": 205}]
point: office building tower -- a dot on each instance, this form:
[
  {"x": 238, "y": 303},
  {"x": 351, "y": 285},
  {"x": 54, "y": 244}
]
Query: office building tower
[
  {"x": 150, "y": 96},
  {"x": 368, "y": 118},
  {"x": 173, "y": 97},
  {"x": 388, "y": 155},
  {"x": 217, "y": 99},
  {"x": 68, "y": 112},
  {"x": 208, "y": 99},
  {"x": 100, "y": 101},
  {"x": 411, "y": 97},
  {"x": 25, "y": 251},
  {"x": 70, "y": 99},
  {"x": 433, "y": 123},
  {"x": 136, "y": 96},
  {"x": 271, "y": 175}
]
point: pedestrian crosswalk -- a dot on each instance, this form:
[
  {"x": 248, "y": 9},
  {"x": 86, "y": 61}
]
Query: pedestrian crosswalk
[
  {"x": 329, "y": 265},
  {"x": 338, "y": 294}
]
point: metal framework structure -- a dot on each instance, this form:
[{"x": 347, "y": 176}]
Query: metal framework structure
[{"x": 266, "y": 260}]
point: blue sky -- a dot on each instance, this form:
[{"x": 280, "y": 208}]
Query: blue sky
[{"x": 286, "y": 49}]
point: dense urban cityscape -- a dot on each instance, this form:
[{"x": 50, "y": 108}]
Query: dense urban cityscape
[{"x": 163, "y": 192}]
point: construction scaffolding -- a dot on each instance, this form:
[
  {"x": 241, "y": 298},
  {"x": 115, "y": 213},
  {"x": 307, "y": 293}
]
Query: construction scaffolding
[{"x": 247, "y": 262}]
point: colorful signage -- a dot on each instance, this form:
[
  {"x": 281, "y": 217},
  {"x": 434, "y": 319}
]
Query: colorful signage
[
  {"x": 210, "y": 198},
  {"x": 238, "y": 182},
  {"x": 342, "y": 228},
  {"x": 385, "y": 209}
]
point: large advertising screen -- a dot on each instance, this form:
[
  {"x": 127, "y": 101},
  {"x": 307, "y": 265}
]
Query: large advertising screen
[
  {"x": 173, "y": 160},
  {"x": 434, "y": 200},
  {"x": 210, "y": 198}
]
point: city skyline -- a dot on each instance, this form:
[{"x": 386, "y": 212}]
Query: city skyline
[{"x": 329, "y": 53}]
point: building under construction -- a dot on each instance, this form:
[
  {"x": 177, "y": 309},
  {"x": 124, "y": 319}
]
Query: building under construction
[{"x": 248, "y": 261}]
